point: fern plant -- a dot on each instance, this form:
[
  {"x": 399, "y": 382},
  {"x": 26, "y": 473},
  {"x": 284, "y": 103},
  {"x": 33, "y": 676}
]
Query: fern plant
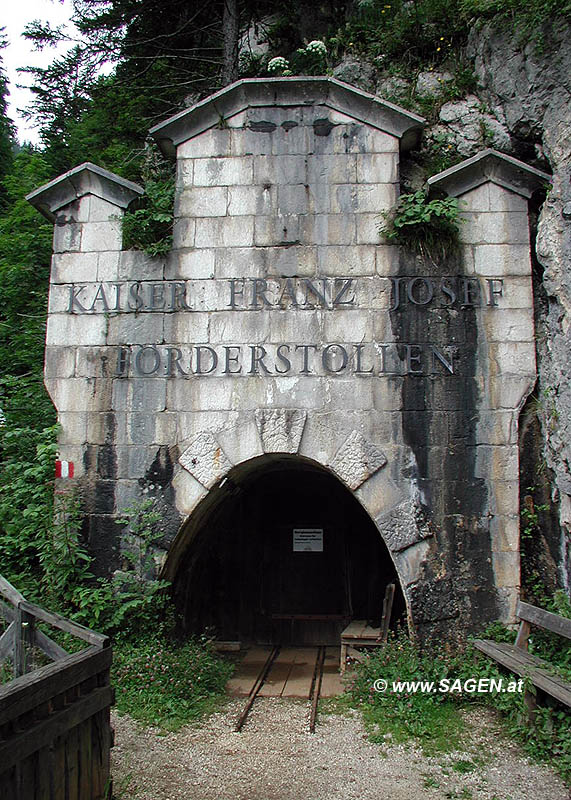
[{"x": 429, "y": 227}]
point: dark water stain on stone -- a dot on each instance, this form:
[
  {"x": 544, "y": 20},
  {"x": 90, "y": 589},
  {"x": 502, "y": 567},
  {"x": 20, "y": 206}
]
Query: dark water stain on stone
[
  {"x": 107, "y": 461},
  {"x": 104, "y": 542},
  {"x": 98, "y": 492},
  {"x": 161, "y": 470},
  {"x": 455, "y": 592},
  {"x": 263, "y": 126},
  {"x": 157, "y": 483},
  {"x": 323, "y": 127}
]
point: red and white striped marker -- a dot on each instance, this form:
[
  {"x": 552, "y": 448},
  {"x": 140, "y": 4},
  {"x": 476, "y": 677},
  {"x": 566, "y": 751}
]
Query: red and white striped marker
[{"x": 64, "y": 469}]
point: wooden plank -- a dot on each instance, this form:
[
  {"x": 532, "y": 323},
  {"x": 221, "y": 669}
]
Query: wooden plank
[
  {"x": 527, "y": 666},
  {"x": 100, "y": 754},
  {"x": 8, "y": 612},
  {"x": 374, "y": 634},
  {"x": 97, "y": 755},
  {"x": 58, "y": 774},
  {"x": 243, "y": 680},
  {"x": 255, "y": 690},
  {"x": 366, "y": 641},
  {"x": 19, "y": 649},
  {"x": 300, "y": 677},
  {"x": 515, "y": 655},
  {"x": 45, "y": 774},
  {"x": 106, "y": 765},
  {"x": 354, "y": 630},
  {"x": 278, "y": 674},
  {"x": 48, "y": 646},
  {"x": 545, "y": 619},
  {"x": 331, "y": 684},
  {"x": 387, "y": 612},
  {"x": 9, "y": 785},
  {"x": 248, "y": 670},
  {"x": 65, "y": 625},
  {"x": 85, "y": 785},
  {"x": 72, "y": 765},
  {"x": 27, "y": 783},
  {"x": 10, "y": 592},
  {"x": 523, "y": 634},
  {"x": 43, "y": 733},
  {"x": 24, "y": 694},
  {"x": 255, "y": 655},
  {"x": 7, "y": 641}
]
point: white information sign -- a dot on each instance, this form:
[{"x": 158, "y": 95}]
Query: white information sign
[{"x": 308, "y": 540}]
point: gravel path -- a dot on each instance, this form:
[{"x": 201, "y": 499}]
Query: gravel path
[{"x": 276, "y": 758}]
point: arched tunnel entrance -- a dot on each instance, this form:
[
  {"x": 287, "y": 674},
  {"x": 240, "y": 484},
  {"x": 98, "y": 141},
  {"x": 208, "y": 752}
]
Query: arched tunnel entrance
[{"x": 280, "y": 551}]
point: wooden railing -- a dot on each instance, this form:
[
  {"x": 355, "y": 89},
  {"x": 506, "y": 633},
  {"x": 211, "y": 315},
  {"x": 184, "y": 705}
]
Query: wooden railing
[{"x": 55, "y": 732}]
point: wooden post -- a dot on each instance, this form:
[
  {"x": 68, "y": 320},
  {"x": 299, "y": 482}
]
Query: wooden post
[
  {"x": 523, "y": 634},
  {"x": 343, "y": 659},
  {"x": 19, "y": 647},
  {"x": 387, "y": 611}
]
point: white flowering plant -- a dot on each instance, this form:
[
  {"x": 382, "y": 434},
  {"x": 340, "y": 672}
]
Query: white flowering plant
[
  {"x": 308, "y": 60},
  {"x": 278, "y": 65},
  {"x": 317, "y": 47}
]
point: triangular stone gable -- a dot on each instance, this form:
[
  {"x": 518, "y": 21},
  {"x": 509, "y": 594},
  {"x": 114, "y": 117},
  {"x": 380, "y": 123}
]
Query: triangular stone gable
[
  {"x": 85, "y": 179},
  {"x": 490, "y": 165},
  {"x": 287, "y": 92}
]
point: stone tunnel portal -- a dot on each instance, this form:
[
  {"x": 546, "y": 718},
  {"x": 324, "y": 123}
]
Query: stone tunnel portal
[{"x": 280, "y": 551}]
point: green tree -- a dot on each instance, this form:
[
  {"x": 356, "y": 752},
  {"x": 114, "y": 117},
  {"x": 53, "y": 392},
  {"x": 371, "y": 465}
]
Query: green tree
[
  {"x": 163, "y": 55},
  {"x": 25, "y": 250},
  {"x": 7, "y": 132}
]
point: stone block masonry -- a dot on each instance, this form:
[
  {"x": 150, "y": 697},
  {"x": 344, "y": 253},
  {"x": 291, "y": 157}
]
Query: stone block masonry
[{"x": 281, "y": 323}]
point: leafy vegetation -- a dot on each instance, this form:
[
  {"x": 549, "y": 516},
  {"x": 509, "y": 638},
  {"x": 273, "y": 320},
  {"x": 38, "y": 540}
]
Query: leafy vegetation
[
  {"x": 25, "y": 250},
  {"x": 434, "y": 720},
  {"x": 159, "y": 680},
  {"x": 407, "y": 33},
  {"x": 427, "y": 226},
  {"x": 43, "y": 552},
  {"x": 149, "y": 227},
  {"x": 431, "y": 32},
  {"x": 167, "y": 684},
  {"x": 161, "y": 56}
]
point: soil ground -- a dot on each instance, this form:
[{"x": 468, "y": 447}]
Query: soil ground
[{"x": 276, "y": 758}]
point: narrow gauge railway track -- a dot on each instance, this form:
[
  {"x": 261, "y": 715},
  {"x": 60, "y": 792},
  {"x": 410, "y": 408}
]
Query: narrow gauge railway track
[{"x": 262, "y": 676}]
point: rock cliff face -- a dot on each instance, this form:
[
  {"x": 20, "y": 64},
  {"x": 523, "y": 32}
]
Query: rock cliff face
[{"x": 531, "y": 91}]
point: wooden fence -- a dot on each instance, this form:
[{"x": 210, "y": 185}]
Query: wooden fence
[{"x": 55, "y": 732}]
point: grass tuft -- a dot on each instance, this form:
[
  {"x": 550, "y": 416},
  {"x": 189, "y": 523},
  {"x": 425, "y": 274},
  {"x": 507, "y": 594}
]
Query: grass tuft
[{"x": 168, "y": 684}]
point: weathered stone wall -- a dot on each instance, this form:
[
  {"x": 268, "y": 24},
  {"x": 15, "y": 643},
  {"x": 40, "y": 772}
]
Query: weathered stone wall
[
  {"x": 530, "y": 88},
  {"x": 281, "y": 323}
]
